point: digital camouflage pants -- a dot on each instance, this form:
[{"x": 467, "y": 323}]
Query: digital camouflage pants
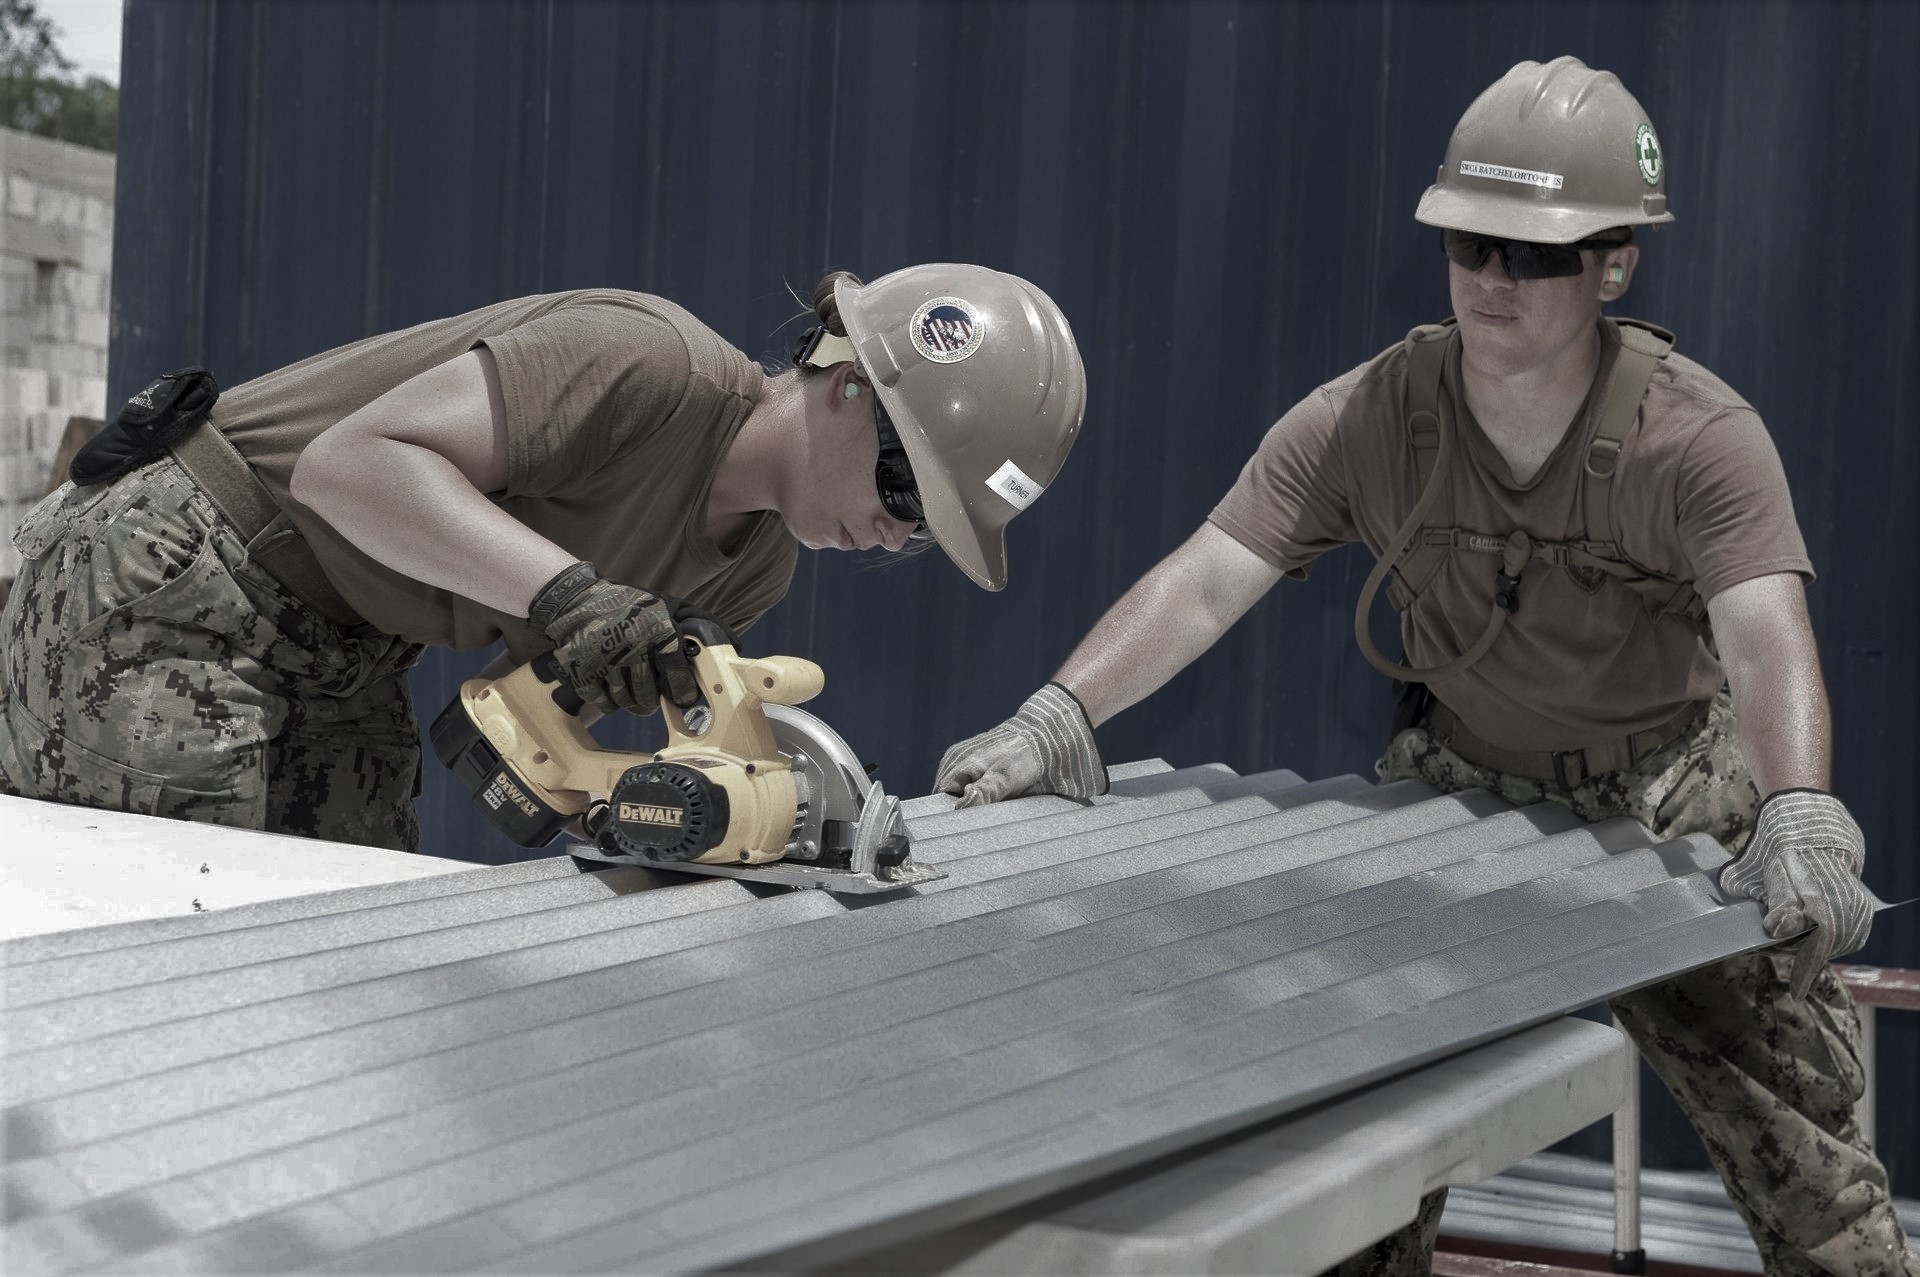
[
  {"x": 150, "y": 666},
  {"x": 1768, "y": 1080}
]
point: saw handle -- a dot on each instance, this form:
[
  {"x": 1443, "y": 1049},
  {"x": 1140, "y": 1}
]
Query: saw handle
[
  {"x": 547, "y": 670},
  {"x": 703, "y": 630}
]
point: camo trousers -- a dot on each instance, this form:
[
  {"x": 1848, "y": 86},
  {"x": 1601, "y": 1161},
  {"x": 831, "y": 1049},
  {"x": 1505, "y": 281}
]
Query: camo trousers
[
  {"x": 1769, "y": 1081},
  {"x": 150, "y": 666}
]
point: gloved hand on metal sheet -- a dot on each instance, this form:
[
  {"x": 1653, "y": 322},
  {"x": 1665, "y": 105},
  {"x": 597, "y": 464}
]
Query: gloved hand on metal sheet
[
  {"x": 620, "y": 647},
  {"x": 1803, "y": 866},
  {"x": 1047, "y": 747}
]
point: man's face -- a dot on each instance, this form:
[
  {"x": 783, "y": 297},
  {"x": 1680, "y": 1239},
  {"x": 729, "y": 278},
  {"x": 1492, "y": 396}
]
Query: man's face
[{"x": 1509, "y": 326}]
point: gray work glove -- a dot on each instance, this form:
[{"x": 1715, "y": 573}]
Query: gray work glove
[
  {"x": 1047, "y": 747},
  {"x": 1803, "y": 866},
  {"x": 619, "y": 647}
]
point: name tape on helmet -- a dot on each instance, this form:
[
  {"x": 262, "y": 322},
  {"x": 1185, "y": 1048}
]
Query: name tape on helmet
[
  {"x": 1501, "y": 173},
  {"x": 1013, "y": 483},
  {"x": 946, "y": 329}
]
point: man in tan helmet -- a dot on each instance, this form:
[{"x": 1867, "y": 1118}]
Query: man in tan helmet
[{"x": 1600, "y": 582}]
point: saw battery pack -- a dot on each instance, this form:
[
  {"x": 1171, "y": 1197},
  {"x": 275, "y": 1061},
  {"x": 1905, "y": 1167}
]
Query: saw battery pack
[{"x": 510, "y": 802}]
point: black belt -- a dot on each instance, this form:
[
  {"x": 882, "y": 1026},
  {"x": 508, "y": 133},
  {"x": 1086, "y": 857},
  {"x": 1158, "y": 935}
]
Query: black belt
[{"x": 1567, "y": 767}]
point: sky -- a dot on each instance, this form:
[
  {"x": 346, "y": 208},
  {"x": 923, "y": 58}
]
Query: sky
[{"x": 89, "y": 34}]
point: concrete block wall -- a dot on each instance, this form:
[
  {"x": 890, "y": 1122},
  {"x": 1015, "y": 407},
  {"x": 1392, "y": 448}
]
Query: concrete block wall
[{"x": 56, "y": 253}]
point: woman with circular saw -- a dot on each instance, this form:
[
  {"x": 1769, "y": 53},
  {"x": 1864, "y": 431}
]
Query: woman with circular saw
[{"x": 215, "y": 620}]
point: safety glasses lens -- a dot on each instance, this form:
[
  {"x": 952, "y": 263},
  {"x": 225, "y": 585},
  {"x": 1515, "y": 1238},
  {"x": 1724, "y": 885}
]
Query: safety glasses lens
[
  {"x": 893, "y": 474},
  {"x": 1520, "y": 258}
]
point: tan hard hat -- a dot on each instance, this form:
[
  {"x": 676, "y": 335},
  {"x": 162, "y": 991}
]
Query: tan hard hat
[
  {"x": 1551, "y": 153},
  {"x": 980, "y": 374}
]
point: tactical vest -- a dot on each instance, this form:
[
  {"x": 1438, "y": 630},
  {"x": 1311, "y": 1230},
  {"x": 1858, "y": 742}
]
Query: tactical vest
[{"x": 1423, "y": 542}]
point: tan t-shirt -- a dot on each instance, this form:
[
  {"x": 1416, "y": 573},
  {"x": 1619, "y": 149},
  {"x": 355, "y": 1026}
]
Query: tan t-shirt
[
  {"x": 619, "y": 408},
  {"x": 1699, "y": 495}
]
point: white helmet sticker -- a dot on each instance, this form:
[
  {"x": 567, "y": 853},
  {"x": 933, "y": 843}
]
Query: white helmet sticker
[
  {"x": 946, "y": 330},
  {"x": 1501, "y": 173},
  {"x": 1011, "y": 482}
]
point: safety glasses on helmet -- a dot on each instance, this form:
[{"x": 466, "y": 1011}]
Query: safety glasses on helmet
[{"x": 1521, "y": 259}]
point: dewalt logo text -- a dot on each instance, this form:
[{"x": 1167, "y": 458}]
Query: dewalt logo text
[
  {"x": 648, "y": 814},
  {"x": 510, "y": 792}
]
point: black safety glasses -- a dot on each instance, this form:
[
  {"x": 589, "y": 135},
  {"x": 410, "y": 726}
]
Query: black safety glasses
[
  {"x": 893, "y": 476},
  {"x": 1521, "y": 259}
]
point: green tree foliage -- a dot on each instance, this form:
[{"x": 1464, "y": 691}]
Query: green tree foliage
[{"x": 39, "y": 92}]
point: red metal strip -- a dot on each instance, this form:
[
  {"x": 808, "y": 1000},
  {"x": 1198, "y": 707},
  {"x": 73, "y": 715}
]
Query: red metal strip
[{"x": 1881, "y": 986}]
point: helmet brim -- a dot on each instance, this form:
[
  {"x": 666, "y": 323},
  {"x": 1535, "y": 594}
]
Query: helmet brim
[
  {"x": 1503, "y": 217},
  {"x": 979, "y": 548}
]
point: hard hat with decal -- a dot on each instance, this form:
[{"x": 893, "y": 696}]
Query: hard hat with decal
[
  {"x": 1553, "y": 153},
  {"x": 980, "y": 375}
]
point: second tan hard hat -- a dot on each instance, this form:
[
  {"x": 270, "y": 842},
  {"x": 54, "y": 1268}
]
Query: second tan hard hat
[
  {"x": 1552, "y": 152},
  {"x": 983, "y": 381}
]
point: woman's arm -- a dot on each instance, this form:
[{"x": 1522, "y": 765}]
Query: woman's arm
[{"x": 404, "y": 479}]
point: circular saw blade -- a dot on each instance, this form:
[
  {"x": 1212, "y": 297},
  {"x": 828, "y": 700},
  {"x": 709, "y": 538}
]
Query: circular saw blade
[{"x": 831, "y": 774}]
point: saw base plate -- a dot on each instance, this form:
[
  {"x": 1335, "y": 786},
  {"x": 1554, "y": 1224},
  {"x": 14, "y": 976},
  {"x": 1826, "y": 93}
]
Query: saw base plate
[{"x": 788, "y": 873}]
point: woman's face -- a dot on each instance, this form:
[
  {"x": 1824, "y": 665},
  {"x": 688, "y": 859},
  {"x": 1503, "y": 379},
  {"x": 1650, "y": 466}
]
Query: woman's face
[{"x": 836, "y": 505}]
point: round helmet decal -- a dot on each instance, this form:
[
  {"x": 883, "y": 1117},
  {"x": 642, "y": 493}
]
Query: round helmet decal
[
  {"x": 946, "y": 330},
  {"x": 1646, "y": 150}
]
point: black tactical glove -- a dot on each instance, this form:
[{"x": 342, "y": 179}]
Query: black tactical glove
[
  {"x": 620, "y": 647},
  {"x": 1803, "y": 866}
]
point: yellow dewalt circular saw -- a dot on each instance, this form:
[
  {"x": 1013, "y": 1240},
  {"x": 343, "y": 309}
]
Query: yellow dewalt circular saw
[{"x": 747, "y": 786}]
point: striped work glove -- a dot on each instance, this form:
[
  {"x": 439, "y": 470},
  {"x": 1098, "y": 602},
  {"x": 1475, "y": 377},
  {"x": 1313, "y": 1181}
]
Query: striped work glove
[
  {"x": 1803, "y": 866},
  {"x": 1047, "y": 747}
]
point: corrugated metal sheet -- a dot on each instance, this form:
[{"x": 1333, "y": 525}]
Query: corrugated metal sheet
[
  {"x": 523, "y": 1068},
  {"x": 1219, "y": 195}
]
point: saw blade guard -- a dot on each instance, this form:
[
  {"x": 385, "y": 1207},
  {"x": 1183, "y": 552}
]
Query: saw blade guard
[
  {"x": 847, "y": 821},
  {"x": 829, "y": 779}
]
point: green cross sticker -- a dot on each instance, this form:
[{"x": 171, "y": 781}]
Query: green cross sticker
[{"x": 1646, "y": 149}]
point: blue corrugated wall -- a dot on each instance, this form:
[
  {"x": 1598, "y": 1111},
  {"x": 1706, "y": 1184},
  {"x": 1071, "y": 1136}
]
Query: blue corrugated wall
[{"x": 1220, "y": 195}]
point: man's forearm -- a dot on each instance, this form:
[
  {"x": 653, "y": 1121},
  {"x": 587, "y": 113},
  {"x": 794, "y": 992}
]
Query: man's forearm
[
  {"x": 1142, "y": 642},
  {"x": 1786, "y": 733},
  {"x": 1169, "y": 617},
  {"x": 1773, "y": 669}
]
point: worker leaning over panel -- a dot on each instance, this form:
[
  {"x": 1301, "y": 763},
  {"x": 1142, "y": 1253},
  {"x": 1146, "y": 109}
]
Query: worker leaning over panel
[
  {"x": 215, "y": 620},
  {"x": 1587, "y": 534}
]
